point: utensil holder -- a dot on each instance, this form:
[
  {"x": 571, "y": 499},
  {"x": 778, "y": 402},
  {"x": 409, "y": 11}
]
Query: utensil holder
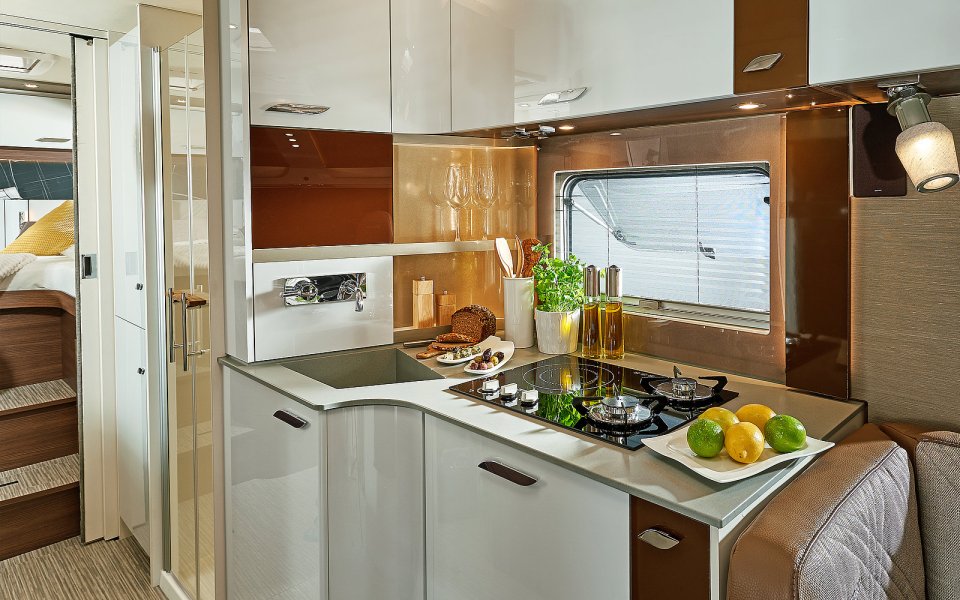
[{"x": 518, "y": 324}]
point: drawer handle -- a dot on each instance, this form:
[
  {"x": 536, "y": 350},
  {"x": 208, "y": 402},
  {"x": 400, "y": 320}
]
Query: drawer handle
[
  {"x": 763, "y": 63},
  {"x": 659, "y": 539},
  {"x": 509, "y": 473},
  {"x": 298, "y": 109},
  {"x": 291, "y": 419}
]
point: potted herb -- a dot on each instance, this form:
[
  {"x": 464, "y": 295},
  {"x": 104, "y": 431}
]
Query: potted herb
[{"x": 559, "y": 286}]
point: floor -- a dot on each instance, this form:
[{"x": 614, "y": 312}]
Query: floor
[{"x": 70, "y": 570}]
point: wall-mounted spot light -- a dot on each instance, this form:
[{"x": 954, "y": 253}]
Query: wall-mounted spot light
[
  {"x": 749, "y": 106},
  {"x": 566, "y": 128},
  {"x": 616, "y": 133},
  {"x": 925, "y": 147}
]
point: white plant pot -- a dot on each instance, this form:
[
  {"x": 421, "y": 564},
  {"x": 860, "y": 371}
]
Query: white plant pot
[
  {"x": 518, "y": 311},
  {"x": 558, "y": 332}
]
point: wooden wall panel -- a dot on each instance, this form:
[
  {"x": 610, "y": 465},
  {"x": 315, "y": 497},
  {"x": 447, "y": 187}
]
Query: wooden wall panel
[{"x": 906, "y": 300}]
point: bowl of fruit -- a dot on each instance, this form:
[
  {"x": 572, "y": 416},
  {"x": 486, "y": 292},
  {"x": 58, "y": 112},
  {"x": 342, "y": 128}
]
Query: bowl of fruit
[{"x": 727, "y": 446}]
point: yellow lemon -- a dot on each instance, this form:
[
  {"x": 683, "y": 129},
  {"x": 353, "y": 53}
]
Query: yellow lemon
[
  {"x": 724, "y": 417},
  {"x": 744, "y": 442},
  {"x": 758, "y": 414}
]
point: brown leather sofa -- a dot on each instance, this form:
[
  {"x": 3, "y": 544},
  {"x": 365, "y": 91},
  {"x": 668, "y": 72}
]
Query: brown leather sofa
[{"x": 877, "y": 516}]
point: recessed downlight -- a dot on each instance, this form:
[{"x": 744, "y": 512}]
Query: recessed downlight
[
  {"x": 789, "y": 96},
  {"x": 31, "y": 86},
  {"x": 293, "y": 139},
  {"x": 288, "y": 134},
  {"x": 294, "y": 145},
  {"x": 566, "y": 128},
  {"x": 814, "y": 103},
  {"x": 749, "y": 106},
  {"x": 616, "y": 133}
]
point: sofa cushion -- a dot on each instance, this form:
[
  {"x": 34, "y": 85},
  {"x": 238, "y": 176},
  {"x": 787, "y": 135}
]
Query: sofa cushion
[
  {"x": 938, "y": 490},
  {"x": 845, "y": 528}
]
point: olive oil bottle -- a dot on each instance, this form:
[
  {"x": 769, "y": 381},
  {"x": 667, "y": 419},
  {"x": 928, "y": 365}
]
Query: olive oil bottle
[
  {"x": 612, "y": 335},
  {"x": 592, "y": 343}
]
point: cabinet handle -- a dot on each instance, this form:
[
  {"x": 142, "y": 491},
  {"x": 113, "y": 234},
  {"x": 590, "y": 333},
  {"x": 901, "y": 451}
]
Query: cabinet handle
[
  {"x": 298, "y": 109},
  {"x": 509, "y": 473},
  {"x": 763, "y": 63},
  {"x": 291, "y": 419},
  {"x": 562, "y": 96},
  {"x": 658, "y": 538}
]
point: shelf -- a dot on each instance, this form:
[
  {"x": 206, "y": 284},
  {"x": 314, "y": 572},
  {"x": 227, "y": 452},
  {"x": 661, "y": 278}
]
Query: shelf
[{"x": 269, "y": 255}]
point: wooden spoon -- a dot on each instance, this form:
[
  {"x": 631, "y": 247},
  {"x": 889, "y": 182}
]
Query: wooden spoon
[
  {"x": 519, "y": 271},
  {"x": 506, "y": 259}
]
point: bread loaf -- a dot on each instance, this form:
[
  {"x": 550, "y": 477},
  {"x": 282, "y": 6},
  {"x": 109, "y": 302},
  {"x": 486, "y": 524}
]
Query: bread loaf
[{"x": 475, "y": 322}]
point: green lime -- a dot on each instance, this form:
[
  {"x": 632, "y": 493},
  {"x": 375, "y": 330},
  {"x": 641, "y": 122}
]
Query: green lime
[
  {"x": 785, "y": 433},
  {"x": 705, "y": 438}
]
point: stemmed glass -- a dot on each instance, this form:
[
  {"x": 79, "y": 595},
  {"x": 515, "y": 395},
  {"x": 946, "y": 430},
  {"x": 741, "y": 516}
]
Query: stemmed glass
[
  {"x": 437, "y": 195},
  {"x": 456, "y": 190},
  {"x": 485, "y": 184}
]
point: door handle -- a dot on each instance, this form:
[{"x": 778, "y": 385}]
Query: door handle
[
  {"x": 291, "y": 419},
  {"x": 658, "y": 538},
  {"x": 509, "y": 473},
  {"x": 171, "y": 343},
  {"x": 183, "y": 330}
]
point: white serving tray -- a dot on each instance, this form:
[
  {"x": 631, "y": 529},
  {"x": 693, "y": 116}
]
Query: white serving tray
[
  {"x": 498, "y": 346},
  {"x": 722, "y": 468}
]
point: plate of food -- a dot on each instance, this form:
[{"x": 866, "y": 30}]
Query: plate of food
[
  {"x": 724, "y": 446},
  {"x": 492, "y": 357},
  {"x": 461, "y": 355}
]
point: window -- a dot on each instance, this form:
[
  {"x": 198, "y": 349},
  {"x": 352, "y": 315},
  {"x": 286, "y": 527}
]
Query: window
[{"x": 693, "y": 241}]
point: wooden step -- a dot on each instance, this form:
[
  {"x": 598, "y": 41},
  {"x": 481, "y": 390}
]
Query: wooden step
[
  {"x": 38, "y": 422},
  {"x": 39, "y": 505}
]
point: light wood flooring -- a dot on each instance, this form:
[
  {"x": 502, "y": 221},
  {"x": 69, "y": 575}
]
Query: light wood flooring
[{"x": 69, "y": 570}]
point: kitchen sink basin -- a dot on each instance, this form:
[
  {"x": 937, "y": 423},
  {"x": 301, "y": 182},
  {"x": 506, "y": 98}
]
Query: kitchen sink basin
[{"x": 362, "y": 368}]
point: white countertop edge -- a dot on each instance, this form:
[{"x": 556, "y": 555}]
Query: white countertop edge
[{"x": 432, "y": 397}]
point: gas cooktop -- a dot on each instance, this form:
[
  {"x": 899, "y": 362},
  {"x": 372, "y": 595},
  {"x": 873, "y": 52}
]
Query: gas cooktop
[{"x": 605, "y": 401}]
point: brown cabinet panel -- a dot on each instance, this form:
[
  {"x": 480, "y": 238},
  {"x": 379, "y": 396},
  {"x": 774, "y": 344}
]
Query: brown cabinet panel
[
  {"x": 35, "y": 436},
  {"x": 320, "y": 188},
  {"x": 39, "y": 520},
  {"x": 761, "y": 28},
  {"x": 682, "y": 571}
]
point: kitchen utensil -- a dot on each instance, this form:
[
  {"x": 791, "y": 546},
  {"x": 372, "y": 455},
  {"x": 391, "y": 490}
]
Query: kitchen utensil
[
  {"x": 519, "y": 269},
  {"x": 722, "y": 468},
  {"x": 430, "y": 353},
  {"x": 446, "y": 306},
  {"x": 423, "y": 313},
  {"x": 530, "y": 258},
  {"x": 506, "y": 259},
  {"x": 417, "y": 344}
]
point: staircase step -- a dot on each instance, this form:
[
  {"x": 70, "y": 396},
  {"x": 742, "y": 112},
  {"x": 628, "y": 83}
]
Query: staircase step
[
  {"x": 35, "y": 395},
  {"x": 39, "y": 478}
]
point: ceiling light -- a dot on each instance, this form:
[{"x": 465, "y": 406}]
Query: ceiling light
[
  {"x": 524, "y": 105},
  {"x": 288, "y": 134},
  {"x": 566, "y": 128},
  {"x": 749, "y": 106},
  {"x": 295, "y": 145},
  {"x": 616, "y": 133},
  {"x": 814, "y": 103},
  {"x": 925, "y": 147},
  {"x": 789, "y": 96},
  {"x": 31, "y": 86},
  {"x": 292, "y": 139}
]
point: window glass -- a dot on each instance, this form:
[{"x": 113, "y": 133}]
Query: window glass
[{"x": 697, "y": 235}]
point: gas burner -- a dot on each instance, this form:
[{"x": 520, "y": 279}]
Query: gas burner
[
  {"x": 640, "y": 416},
  {"x": 685, "y": 392},
  {"x": 562, "y": 379}
]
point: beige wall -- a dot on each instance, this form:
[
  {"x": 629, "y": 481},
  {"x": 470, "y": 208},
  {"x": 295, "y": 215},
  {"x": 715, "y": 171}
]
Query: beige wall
[{"x": 905, "y": 271}]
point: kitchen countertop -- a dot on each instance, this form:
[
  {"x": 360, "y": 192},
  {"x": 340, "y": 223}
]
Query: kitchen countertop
[{"x": 641, "y": 472}]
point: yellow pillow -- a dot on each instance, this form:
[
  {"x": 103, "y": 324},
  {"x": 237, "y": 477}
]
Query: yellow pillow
[{"x": 49, "y": 236}]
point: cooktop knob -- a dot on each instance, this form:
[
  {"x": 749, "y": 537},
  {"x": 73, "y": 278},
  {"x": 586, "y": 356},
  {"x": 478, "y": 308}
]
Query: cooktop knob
[
  {"x": 529, "y": 397},
  {"x": 490, "y": 386}
]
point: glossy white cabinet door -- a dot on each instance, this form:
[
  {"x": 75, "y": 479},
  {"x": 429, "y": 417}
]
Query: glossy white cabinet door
[
  {"x": 334, "y": 53},
  {"x": 507, "y": 55},
  {"x": 857, "y": 39},
  {"x": 276, "y": 534},
  {"x": 420, "y": 65},
  {"x": 564, "y": 537},
  {"x": 132, "y": 427},
  {"x": 375, "y": 503}
]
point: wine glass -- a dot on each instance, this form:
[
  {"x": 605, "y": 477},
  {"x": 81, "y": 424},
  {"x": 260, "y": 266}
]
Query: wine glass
[
  {"x": 485, "y": 184},
  {"x": 456, "y": 190},
  {"x": 435, "y": 191}
]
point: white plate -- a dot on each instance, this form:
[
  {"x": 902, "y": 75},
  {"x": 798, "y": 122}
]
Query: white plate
[
  {"x": 498, "y": 346},
  {"x": 722, "y": 468},
  {"x": 457, "y": 361}
]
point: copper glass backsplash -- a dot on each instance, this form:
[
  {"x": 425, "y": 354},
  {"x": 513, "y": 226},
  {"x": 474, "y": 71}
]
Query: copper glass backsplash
[{"x": 320, "y": 188}]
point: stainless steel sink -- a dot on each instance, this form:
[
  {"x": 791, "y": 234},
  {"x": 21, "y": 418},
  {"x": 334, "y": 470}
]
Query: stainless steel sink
[{"x": 362, "y": 368}]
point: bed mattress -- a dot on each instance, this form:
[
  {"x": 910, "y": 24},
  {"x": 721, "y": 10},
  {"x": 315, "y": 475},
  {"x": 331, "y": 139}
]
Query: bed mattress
[{"x": 45, "y": 273}]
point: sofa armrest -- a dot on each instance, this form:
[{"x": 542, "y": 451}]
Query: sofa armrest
[
  {"x": 845, "y": 528},
  {"x": 938, "y": 489}
]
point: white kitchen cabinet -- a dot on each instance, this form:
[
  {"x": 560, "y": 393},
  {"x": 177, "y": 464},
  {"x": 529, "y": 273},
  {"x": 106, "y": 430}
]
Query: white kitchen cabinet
[
  {"x": 508, "y": 55},
  {"x": 565, "y": 537},
  {"x": 858, "y": 39},
  {"x": 375, "y": 503},
  {"x": 275, "y": 506},
  {"x": 420, "y": 65},
  {"x": 132, "y": 426},
  {"x": 334, "y": 54}
]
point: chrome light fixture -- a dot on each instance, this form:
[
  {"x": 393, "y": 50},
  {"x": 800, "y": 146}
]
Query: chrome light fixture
[{"x": 925, "y": 147}]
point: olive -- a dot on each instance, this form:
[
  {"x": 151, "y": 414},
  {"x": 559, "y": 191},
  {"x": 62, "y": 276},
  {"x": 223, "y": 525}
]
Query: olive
[
  {"x": 499, "y": 356},
  {"x": 487, "y": 354}
]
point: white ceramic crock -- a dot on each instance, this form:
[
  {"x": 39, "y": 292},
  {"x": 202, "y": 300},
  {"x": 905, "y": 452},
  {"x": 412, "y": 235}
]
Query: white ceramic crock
[
  {"x": 518, "y": 311},
  {"x": 558, "y": 332}
]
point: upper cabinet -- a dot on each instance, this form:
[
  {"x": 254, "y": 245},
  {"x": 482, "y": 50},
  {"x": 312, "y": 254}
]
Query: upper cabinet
[
  {"x": 329, "y": 62},
  {"x": 420, "y": 65},
  {"x": 858, "y": 39},
  {"x": 770, "y": 45},
  {"x": 519, "y": 61}
]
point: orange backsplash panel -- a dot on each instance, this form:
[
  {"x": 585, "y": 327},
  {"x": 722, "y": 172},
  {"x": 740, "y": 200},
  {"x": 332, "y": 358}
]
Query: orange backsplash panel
[{"x": 320, "y": 188}]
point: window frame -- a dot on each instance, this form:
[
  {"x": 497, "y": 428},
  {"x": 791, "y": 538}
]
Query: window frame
[{"x": 751, "y": 321}]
